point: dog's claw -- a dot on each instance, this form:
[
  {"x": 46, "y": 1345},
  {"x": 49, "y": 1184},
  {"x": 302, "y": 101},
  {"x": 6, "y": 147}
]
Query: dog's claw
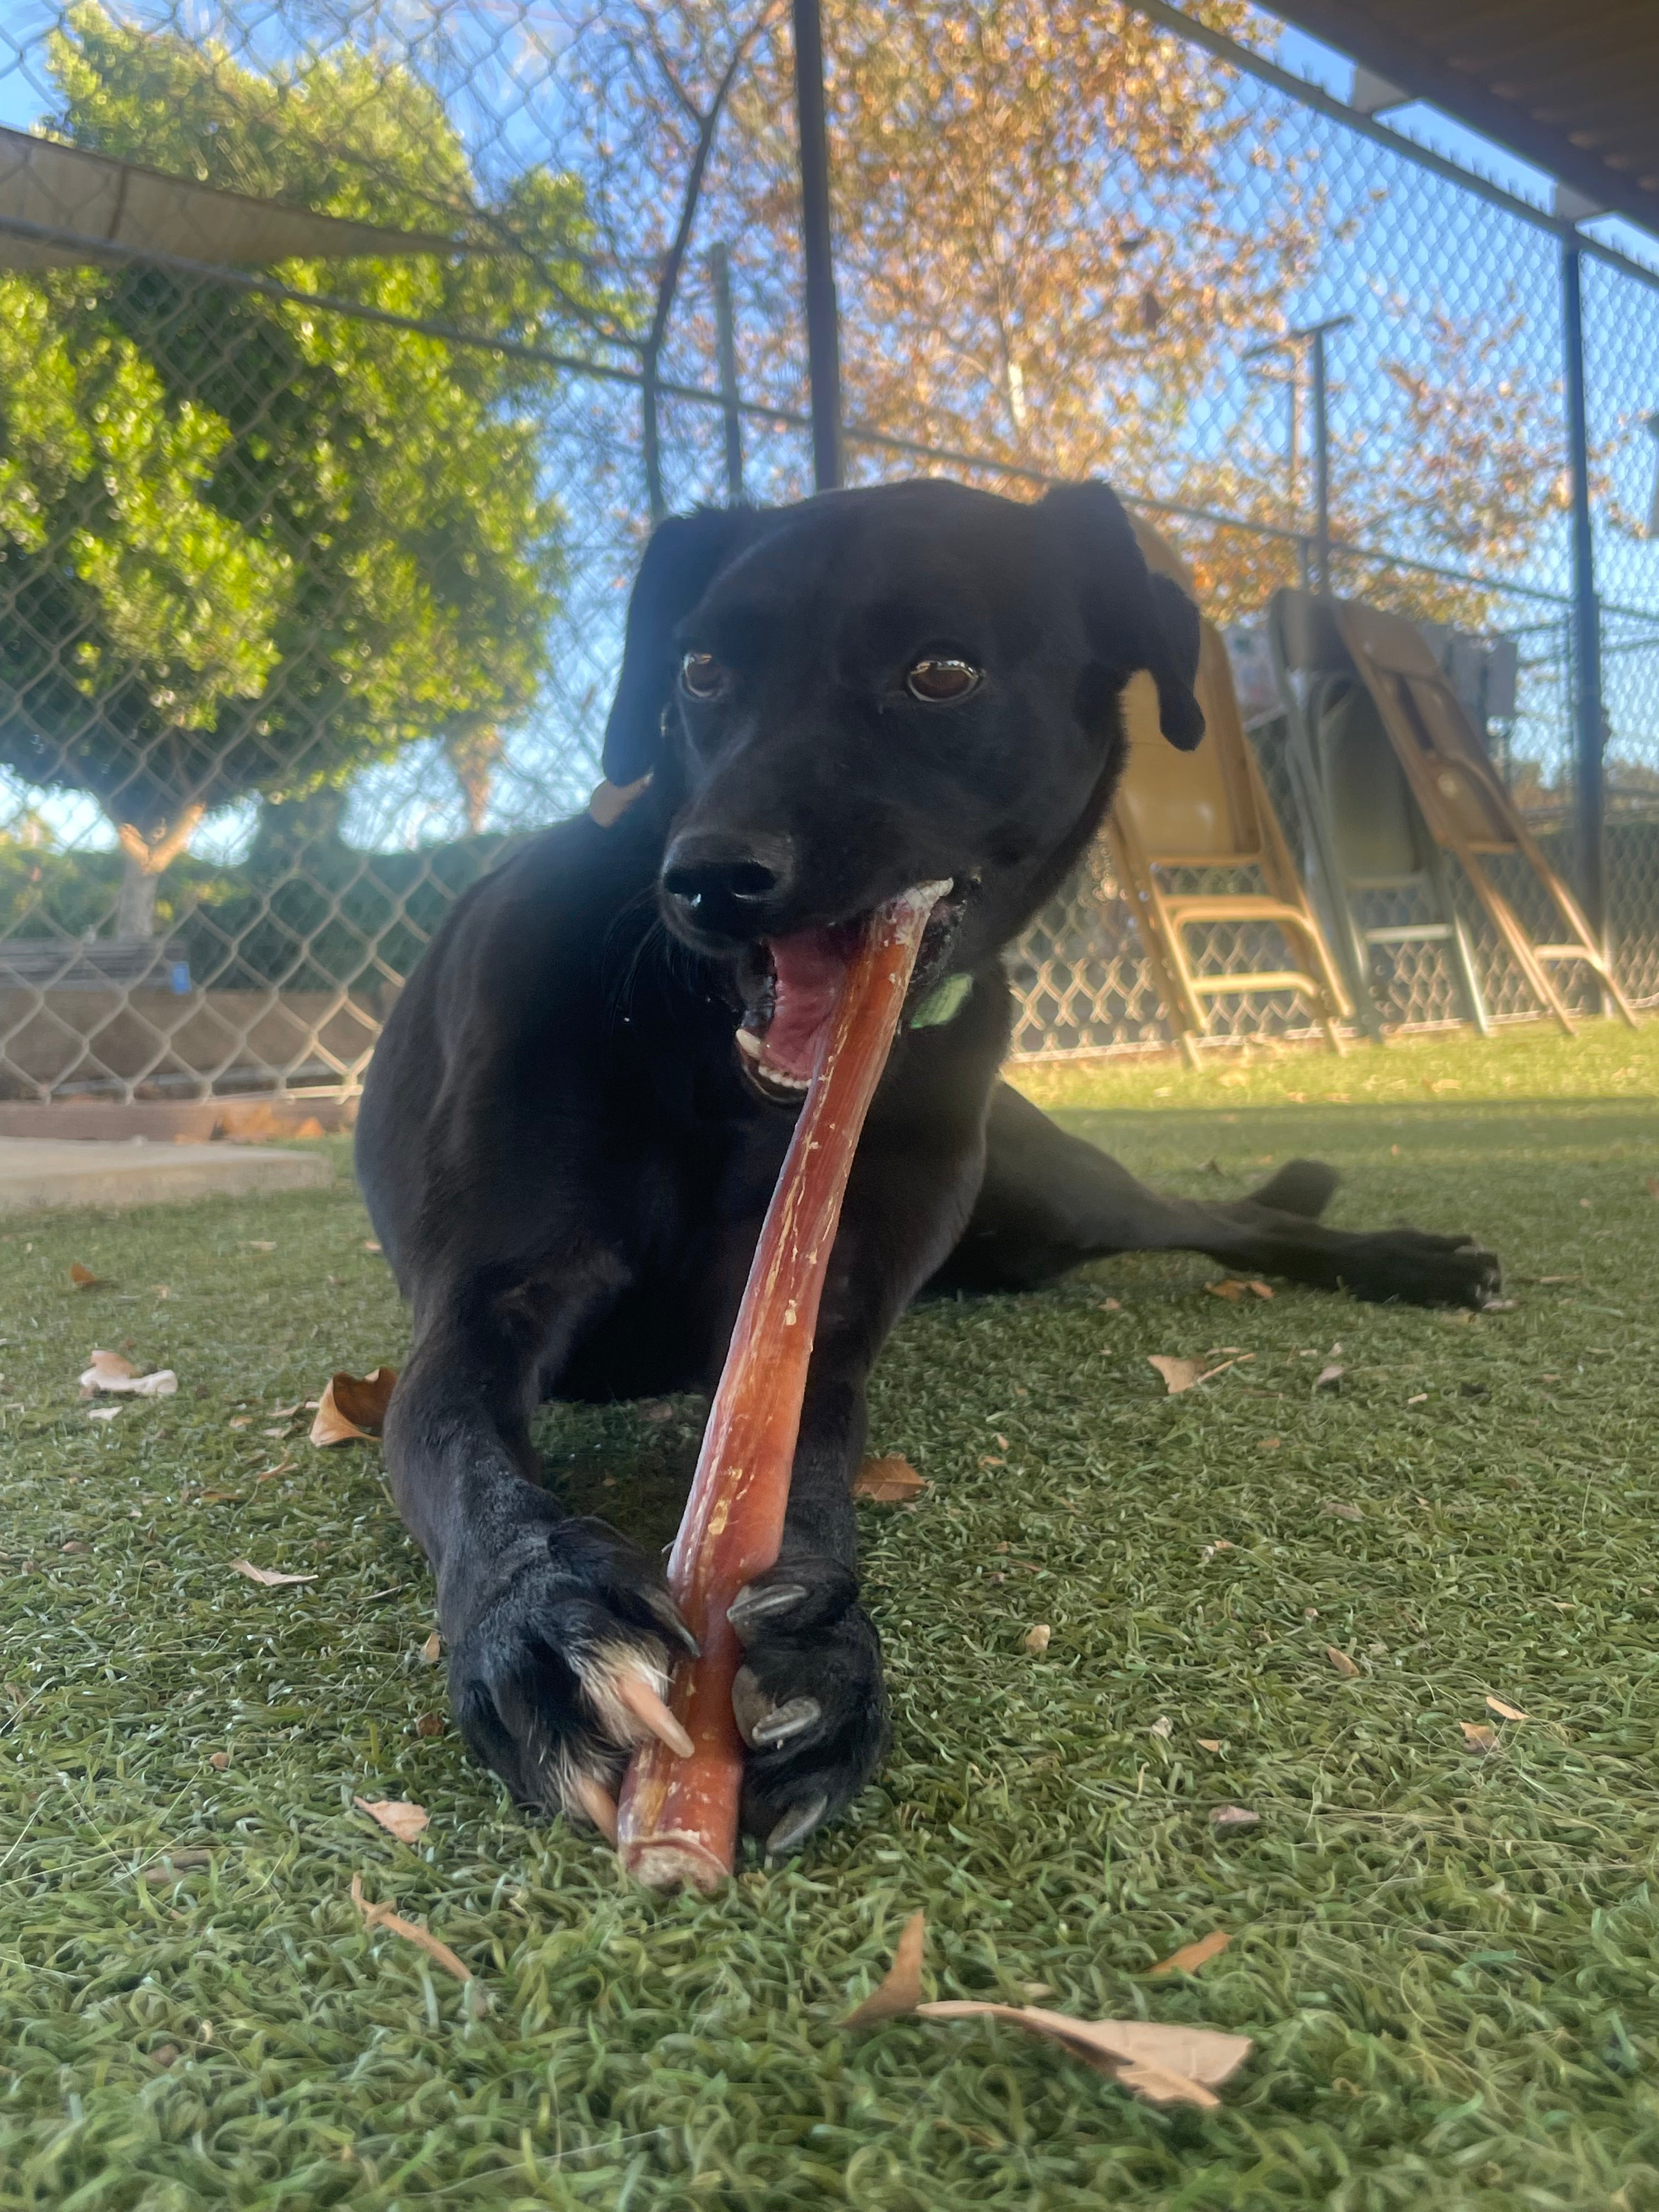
[
  {"x": 752, "y": 1605},
  {"x": 785, "y": 1720},
  {"x": 663, "y": 1610},
  {"x": 648, "y": 1708},
  {"x": 796, "y": 1825},
  {"x": 596, "y": 1801}
]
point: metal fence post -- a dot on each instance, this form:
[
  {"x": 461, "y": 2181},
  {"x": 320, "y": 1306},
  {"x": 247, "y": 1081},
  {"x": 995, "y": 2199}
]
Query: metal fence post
[
  {"x": 726, "y": 351},
  {"x": 1588, "y": 730},
  {"x": 823, "y": 331}
]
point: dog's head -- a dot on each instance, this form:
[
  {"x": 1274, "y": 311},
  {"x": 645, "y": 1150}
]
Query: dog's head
[{"x": 880, "y": 688}]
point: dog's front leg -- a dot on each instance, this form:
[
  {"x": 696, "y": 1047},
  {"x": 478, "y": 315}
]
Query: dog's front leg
[
  {"x": 810, "y": 1699},
  {"x": 559, "y": 1631}
]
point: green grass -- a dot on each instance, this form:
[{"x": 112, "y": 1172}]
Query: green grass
[{"x": 1449, "y": 1963}]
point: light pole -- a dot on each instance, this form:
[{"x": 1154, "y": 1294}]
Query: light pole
[{"x": 1311, "y": 337}]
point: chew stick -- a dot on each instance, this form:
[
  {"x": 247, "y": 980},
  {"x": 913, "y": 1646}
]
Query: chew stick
[{"x": 677, "y": 1818}]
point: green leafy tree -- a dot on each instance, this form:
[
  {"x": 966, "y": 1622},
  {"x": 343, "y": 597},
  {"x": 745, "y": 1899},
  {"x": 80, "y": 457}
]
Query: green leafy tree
[{"x": 246, "y": 546}]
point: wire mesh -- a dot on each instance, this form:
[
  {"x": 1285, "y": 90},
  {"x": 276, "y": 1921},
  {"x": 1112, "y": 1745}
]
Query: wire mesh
[{"x": 313, "y": 556}]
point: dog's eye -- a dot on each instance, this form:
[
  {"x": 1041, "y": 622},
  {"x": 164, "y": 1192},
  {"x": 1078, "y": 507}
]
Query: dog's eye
[
  {"x": 940, "y": 680},
  {"x": 702, "y": 676}
]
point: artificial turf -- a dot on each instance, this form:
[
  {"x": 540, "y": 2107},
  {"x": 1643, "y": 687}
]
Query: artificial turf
[{"x": 1447, "y": 1960}]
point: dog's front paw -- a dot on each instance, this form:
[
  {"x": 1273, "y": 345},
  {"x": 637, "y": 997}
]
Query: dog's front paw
[
  {"x": 1420, "y": 1269},
  {"x": 810, "y": 1700},
  {"x": 560, "y": 1664}
]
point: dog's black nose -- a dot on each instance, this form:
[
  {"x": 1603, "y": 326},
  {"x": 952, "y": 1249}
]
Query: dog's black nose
[{"x": 723, "y": 884}]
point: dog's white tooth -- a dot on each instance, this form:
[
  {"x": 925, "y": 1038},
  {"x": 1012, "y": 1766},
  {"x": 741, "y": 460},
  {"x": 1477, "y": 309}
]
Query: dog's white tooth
[{"x": 748, "y": 1042}]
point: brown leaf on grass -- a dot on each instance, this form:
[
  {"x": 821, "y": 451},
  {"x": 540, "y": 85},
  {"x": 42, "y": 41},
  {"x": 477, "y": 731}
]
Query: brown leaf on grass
[
  {"x": 352, "y": 1410},
  {"x": 219, "y": 1759},
  {"x": 397, "y": 1816},
  {"x": 1037, "y": 1640},
  {"x": 429, "y": 1724},
  {"x": 1111, "y": 1305},
  {"x": 382, "y": 1916},
  {"x": 1477, "y": 1737},
  {"x": 1191, "y": 1956},
  {"x": 1269, "y": 1443},
  {"x": 1340, "y": 1660},
  {"x": 173, "y": 1864},
  {"x": 899, "y": 1989},
  {"x": 1235, "y": 1287},
  {"x": 82, "y": 1278},
  {"x": 1653, "y": 1186},
  {"x": 888, "y": 1481},
  {"x": 1162, "y": 1728},
  {"x": 1165, "y": 2065},
  {"x": 266, "y": 1578},
  {"x": 1336, "y": 1510},
  {"x": 1506, "y": 1712},
  {"x": 1234, "y": 1816},
  {"x": 110, "y": 1370},
  {"x": 1209, "y": 1743},
  {"x": 1327, "y": 1378},
  {"x": 432, "y": 1647},
  {"x": 371, "y": 1244},
  {"x": 1178, "y": 1374}
]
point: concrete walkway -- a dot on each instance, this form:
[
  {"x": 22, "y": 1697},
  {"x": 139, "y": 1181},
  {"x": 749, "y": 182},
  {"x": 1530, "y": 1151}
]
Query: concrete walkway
[{"x": 41, "y": 1172}]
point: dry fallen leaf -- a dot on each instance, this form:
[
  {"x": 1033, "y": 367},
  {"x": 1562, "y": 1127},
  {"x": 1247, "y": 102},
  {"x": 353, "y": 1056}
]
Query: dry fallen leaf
[
  {"x": 108, "y": 1371},
  {"x": 888, "y": 1481},
  {"x": 1162, "y": 1728},
  {"x": 260, "y": 1244},
  {"x": 1229, "y": 1287},
  {"x": 382, "y": 1916},
  {"x": 431, "y": 1648},
  {"x": 1165, "y": 2065},
  {"x": 265, "y": 1576},
  {"x": 1506, "y": 1712},
  {"x": 1191, "y": 1956},
  {"x": 371, "y": 1244},
  {"x": 1336, "y": 1511},
  {"x": 397, "y": 1816},
  {"x": 429, "y": 1724},
  {"x": 1111, "y": 1305},
  {"x": 899, "y": 1989},
  {"x": 219, "y": 1759},
  {"x": 1327, "y": 1378},
  {"x": 1178, "y": 1374},
  {"x": 83, "y": 1278},
  {"x": 1477, "y": 1737},
  {"x": 1340, "y": 1660},
  {"x": 1269, "y": 1443},
  {"x": 1420, "y": 1398},
  {"x": 353, "y": 1408},
  {"x": 1038, "y": 1639},
  {"x": 1234, "y": 1816},
  {"x": 1209, "y": 1743},
  {"x": 102, "y": 1413}
]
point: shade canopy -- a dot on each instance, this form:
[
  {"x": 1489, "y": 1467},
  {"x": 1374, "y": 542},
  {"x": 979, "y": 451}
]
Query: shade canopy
[
  {"x": 1572, "y": 86},
  {"x": 65, "y": 188}
]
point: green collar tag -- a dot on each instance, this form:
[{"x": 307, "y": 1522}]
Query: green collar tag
[{"x": 944, "y": 1004}]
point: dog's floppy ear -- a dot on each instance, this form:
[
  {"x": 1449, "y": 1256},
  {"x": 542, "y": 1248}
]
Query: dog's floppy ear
[
  {"x": 1134, "y": 618},
  {"x": 685, "y": 555}
]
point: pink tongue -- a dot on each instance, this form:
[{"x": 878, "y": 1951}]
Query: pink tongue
[{"x": 810, "y": 968}]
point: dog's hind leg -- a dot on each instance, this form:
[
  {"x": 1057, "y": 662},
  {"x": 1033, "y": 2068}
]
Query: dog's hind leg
[{"x": 1049, "y": 1201}]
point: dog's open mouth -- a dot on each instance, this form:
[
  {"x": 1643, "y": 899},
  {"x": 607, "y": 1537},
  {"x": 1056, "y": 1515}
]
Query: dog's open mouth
[{"x": 791, "y": 987}]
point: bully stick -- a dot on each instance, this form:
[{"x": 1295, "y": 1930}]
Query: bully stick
[{"x": 677, "y": 1820}]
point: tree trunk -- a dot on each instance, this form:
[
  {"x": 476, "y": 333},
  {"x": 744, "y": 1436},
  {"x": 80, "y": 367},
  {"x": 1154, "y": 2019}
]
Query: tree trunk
[
  {"x": 145, "y": 860},
  {"x": 135, "y": 906}
]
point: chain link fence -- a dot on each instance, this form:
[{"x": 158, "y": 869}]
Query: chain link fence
[{"x": 315, "y": 543}]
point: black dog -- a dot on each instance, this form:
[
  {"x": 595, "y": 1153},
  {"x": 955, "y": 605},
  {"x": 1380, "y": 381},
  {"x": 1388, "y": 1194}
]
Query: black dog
[{"x": 567, "y": 1152}]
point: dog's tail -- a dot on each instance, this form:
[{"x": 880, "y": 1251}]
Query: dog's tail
[{"x": 1301, "y": 1186}]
